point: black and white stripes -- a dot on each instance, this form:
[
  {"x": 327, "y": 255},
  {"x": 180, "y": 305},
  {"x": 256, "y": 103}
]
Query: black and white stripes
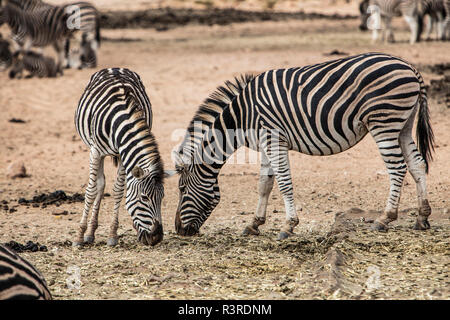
[
  {"x": 19, "y": 279},
  {"x": 114, "y": 118},
  {"x": 318, "y": 110}
]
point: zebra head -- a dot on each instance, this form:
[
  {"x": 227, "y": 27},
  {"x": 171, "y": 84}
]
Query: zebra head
[
  {"x": 364, "y": 14},
  {"x": 145, "y": 192},
  {"x": 5, "y": 55},
  {"x": 199, "y": 195}
]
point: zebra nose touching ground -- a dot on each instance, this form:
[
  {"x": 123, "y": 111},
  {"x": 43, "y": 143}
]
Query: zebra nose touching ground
[
  {"x": 114, "y": 118},
  {"x": 319, "y": 110}
]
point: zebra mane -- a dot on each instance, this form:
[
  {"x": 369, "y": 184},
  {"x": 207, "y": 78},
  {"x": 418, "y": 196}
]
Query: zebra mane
[{"x": 220, "y": 99}]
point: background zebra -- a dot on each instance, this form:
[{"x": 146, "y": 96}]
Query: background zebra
[
  {"x": 319, "y": 110},
  {"x": 435, "y": 12},
  {"x": 384, "y": 11},
  {"x": 114, "y": 118},
  {"x": 19, "y": 279},
  {"x": 35, "y": 63},
  {"x": 5, "y": 54},
  {"x": 82, "y": 19},
  {"x": 40, "y": 28}
]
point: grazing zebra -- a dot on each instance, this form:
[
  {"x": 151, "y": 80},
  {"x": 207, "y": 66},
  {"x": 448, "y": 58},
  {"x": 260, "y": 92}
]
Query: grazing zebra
[
  {"x": 5, "y": 54},
  {"x": 319, "y": 110},
  {"x": 40, "y": 28},
  {"x": 434, "y": 11},
  {"x": 19, "y": 279},
  {"x": 114, "y": 118},
  {"x": 35, "y": 63},
  {"x": 83, "y": 16},
  {"x": 384, "y": 11}
]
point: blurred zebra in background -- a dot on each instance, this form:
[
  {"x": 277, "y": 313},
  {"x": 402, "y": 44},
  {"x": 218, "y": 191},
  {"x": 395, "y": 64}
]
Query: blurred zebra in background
[
  {"x": 5, "y": 54},
  {"x": 19, "y": 279},
  {"x": 38, "y": 28},
  {"x": 83, "y": 20},
  {"x": 413, "y": 11},
  {"x": 35, "y": 63},
  {"x": 378, "y": 14}
]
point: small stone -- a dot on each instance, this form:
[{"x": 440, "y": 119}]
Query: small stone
[{"x": 16, "y": 170}]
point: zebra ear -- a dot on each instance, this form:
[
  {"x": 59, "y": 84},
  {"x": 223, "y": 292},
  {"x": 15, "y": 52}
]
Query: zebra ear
[
  {"x": 178, "y": 160},
  {"x": 169, "y": 173}
]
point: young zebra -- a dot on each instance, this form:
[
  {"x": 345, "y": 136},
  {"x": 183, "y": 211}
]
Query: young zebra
[
  {"x": 114, "y": 118},
  {"x": 35, "y": 63},
  {"x": 318, "y": 110},
  {"x": 19, "y": 279},
  {"x": 385, "y": 10},
  {"x": 39, "y": 28}
]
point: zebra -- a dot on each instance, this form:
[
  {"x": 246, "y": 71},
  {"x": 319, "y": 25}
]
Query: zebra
[
  {"x": 319, "y": 110},
  {"x": 40, "y": 27},
  {"x": 84, "y": 17},
  {"x": 434, "y": 11},
  {"x": 384, "y": 10},
  {"x": 19, "y": 279},
  {"x": 114, "y": 118},
  {"x": 35, "y": 63},
  {"x": 5, "y": 54}
]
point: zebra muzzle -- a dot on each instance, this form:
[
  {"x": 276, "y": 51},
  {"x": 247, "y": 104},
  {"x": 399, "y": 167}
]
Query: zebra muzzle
[{"x": 153, "y": 237}]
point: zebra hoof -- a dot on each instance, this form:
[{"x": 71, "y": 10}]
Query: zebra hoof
[
  {"x": 250, "y": 231},
  {"x": 88, "y": 239},
  {"x": 283, "y": 235},
  {"x": 378, "y": 226},
  {"x": 77, "y": 244},
  {"x": 112, "y": 242},
  {"x": 422, "y": 224}
]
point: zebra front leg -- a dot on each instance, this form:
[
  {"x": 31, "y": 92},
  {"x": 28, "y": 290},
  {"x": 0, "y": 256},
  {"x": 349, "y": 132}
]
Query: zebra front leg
[
  {"x": 266, "y": 179},
  {"x": 279, "y": 160},
  {"x": 429, "y": 27},
  {"x": 90, "y": 195},
  {"x": 93, "y": 221},
  {"x": 59, "y": 48},
  {"x": 414, "y": 26},
  {"x": 119, "y": 187},
  {"x": 395, "y": 163}
]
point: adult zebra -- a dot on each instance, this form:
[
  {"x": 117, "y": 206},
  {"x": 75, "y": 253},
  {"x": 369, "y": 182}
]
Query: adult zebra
[
  {"x": 114, "y": 118},
  {"x": 19, "y": 279},
  {"x": 320, "y": 110},
  {"x": 434, "y": 11},
  {"x": 384, "y": 10},
  {"x": 39, "y": 28}
]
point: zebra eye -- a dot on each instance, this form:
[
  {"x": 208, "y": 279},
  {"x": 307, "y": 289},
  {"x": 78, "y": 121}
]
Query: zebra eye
[
  {"x": 144, "y": 198},
  {"x": 182, "y": 188}
]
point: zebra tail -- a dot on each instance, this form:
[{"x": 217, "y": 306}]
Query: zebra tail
[
  {"x": 97, "y": 30},
  {"x": 424, "y": 132}
]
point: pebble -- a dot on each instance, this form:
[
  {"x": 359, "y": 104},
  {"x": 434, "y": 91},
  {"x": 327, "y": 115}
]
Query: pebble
[{"x": 16, "y": 170}]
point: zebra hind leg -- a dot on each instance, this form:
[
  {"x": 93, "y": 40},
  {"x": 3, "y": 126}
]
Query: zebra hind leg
[
  {"x": 416, "y": 167},
  {"x": 118, "y": 189},
  {"x": 392, "y": 155},
  {"x": 266, "y": 179}
]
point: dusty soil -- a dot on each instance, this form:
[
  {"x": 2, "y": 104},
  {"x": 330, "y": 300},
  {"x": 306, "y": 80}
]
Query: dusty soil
[{"x": 332, "y": 255}]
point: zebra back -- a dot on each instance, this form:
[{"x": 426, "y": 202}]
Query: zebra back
[{"x": 19, "y": 279}]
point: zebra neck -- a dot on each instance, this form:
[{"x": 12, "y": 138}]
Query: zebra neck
[
  {"x": 212, "y": 143},
  {"x": 138, "y": 147}
]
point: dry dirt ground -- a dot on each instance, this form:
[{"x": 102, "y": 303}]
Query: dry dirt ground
[{"x": 334, "y": 254}]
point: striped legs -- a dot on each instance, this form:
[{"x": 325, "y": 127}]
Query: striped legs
[
  {"x": 392, "y": 155},
  {"x": 119, "y": 187},
  {"x": 265, "y": 186},
  {"x": 279, "y": 160},
  {"x": 93, "y": 198},
  {"x": 416, "y": 167}
]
